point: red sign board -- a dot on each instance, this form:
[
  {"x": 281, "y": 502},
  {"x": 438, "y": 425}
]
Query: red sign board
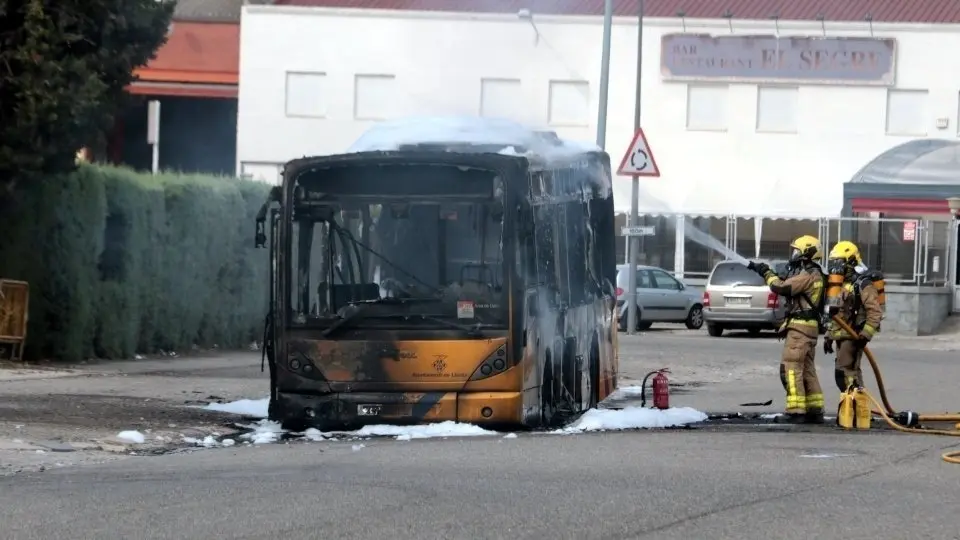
[{"x": 909, "y": 231}]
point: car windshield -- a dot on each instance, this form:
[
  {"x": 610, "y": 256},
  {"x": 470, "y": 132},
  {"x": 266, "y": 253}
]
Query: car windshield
[{"x": 444, "y": 258}]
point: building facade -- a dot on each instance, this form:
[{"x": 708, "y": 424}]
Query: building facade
[
  {"x": 741, "y": 122},
  {"x": 195, "y": 77},
  {"x": 756, "y": 121}
]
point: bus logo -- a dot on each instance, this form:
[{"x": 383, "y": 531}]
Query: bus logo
[{"x": 439, "y": 364}]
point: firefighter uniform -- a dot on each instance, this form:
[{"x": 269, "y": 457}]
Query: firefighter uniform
[
  {"x": 859, "y": 306},
  {"x": 803, "y": 289}
]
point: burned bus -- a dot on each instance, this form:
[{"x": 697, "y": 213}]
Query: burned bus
[{"x": 431, "y": 282}]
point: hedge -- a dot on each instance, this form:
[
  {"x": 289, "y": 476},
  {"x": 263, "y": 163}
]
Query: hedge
[{"x": 121, "y": 262}]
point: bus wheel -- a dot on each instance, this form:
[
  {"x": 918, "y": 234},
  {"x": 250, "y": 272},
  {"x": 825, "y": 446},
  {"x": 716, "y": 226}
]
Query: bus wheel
[
  {"x": 293, "y": 425},
  {"x": 594, "y": 376},
  {"x": 547, "y": 402}
]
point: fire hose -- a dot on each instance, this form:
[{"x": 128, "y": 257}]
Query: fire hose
[{"x": 906, "y": 422}]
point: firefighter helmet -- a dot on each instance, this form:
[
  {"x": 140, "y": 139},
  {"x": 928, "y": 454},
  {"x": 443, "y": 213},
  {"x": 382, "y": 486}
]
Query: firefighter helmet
[
  {"x": 805, "y": 247},
  {"x": 847, "y": 251}
]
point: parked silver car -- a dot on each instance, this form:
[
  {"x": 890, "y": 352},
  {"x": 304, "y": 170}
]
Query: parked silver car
[
  {"x": 736, "y": 298},
  {"x": 660, "y": 298}
]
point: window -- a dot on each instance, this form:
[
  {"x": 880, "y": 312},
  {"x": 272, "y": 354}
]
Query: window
[
  {"x": 572, "y": 247},
  {"x": 543, "y": 246},
  {"x": 373, "y": 97},
  {"x": 907, "y": 112},
  {"x": 458, "y": 259},
  {"x": 728, "y": 274},
  {"x": 707, "y": 107},
  {"x": 958, "y": 130},
  {"x": 644, "y": 281},
  {"x": 664, "y": 280},
  {"x": 306, "y": 94},
  {"x": 501, "y": 98},
  {"x": 569, "y": 103},
  {"x": 777, "y": 109}
]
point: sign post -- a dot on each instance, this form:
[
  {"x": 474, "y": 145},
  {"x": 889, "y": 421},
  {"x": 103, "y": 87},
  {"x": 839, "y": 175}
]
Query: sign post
[
  {"x": 638, "y": 231},
  {"x": 637, "y": 161},
  {"x": 153, "y": 134}
]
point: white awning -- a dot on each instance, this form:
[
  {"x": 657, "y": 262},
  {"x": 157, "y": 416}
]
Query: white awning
[{"x": 773, "y": 199}]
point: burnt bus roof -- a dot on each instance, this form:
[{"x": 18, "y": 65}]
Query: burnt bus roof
[
  {"x": 537, "y": 160},
  {"x": 457, "y": 154}
]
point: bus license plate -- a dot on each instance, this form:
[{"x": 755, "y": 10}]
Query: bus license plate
[{"x": 369, "y": 410}]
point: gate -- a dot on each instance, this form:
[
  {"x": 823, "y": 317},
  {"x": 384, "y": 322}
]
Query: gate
[{"x": 14, "y": 307}]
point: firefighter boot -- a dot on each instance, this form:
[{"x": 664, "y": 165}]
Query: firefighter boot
[
  {"x": 813, "y": 416},
  {"x": 791, "y": 418}
]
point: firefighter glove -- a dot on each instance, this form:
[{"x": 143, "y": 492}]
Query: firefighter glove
[
  {"x": 759, "y": 267},
  {"x": 866, "y": 334},
  {"x": 827, "y": 346}
]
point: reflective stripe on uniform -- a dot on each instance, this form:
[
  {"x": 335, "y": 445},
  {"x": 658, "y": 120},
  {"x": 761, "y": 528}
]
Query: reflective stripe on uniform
[
  {"x": 794, "y": 402},
  {"x": 817, "y": 292},
  {"x": 814, "y": 401}
]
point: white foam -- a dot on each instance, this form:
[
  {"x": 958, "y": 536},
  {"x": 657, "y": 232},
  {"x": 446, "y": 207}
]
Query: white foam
[
  {"x": 426, "y": 431},
  {"x": 264, "y": 432},
  {"x": 633, "y": 418},
  {"x": 134, "y": 437},
  {"x": 246, "y": 407},
  {"x": 390, "y": 135}
]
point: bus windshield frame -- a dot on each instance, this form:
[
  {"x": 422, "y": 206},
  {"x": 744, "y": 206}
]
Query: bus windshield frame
[{"x": 402, "y": 246}]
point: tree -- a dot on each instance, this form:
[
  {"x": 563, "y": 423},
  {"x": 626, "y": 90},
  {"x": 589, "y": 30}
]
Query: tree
[{"x": 64, "y": 65}]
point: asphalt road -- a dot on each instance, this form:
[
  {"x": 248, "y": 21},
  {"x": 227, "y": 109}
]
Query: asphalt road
[
  {"x": 723, "y": 482},
  {"x": 679, "y": 485}
]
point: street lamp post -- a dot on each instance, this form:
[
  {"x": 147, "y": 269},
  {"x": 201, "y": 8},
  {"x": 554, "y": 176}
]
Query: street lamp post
[
  {"x": 633, "y": 242},
  {"x": 604, "y": 75}
]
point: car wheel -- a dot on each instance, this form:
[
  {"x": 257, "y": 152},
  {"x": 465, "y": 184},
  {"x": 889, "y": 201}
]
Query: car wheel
[
  {"x": 753, "y": 331},
  {"x": 622, "y": 323},
  {"x": 644, "y": 325},
  {"x": 714, "y": 330},
  {"x": 695, "y": 318}
]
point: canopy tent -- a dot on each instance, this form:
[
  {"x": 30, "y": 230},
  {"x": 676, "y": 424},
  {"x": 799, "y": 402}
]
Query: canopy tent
[{"x": 915, "y": 177}]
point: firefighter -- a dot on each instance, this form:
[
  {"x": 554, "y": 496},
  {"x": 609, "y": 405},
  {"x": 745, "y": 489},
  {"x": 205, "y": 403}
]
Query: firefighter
[
  {"x": 859, "y": 306},
  {"x": 803, "y": 289}
]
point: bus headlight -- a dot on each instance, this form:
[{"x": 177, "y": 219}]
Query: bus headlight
[{"x": 494, "y": 364}]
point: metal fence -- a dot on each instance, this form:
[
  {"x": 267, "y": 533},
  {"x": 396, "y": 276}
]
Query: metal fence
[{"x": 907, "y": 251}]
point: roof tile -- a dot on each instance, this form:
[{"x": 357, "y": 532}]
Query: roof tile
[{"x": 913, "y": 11}]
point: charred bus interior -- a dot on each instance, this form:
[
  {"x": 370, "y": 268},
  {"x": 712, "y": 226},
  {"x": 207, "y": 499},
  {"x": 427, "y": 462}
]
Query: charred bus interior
[{"x": 386, "y": 249}]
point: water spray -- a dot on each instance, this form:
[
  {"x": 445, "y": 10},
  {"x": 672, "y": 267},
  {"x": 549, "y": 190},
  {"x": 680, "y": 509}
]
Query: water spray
[{"x": 709, "y": 242}]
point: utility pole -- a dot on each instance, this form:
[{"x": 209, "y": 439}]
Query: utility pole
[
  {"x": 634, "y": 241},
  {"x": 604, "y": 75}
]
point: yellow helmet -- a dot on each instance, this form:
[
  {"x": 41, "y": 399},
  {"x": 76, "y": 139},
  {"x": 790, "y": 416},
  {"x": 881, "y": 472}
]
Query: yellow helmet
[
  {"x": 805, "y": 246},
  {"x": 846, "y": 250}
]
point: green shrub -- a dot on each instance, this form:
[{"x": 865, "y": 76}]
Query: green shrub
[{"x": 121, "y": 262}]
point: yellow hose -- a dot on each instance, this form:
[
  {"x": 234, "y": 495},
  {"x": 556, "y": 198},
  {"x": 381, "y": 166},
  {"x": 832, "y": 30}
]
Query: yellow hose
[
  {"x": 949, "y": 457},
  {"x": 886, "y": 410}
]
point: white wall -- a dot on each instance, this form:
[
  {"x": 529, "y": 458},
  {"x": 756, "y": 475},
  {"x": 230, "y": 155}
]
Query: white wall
[{"x": 417, "y": 63}]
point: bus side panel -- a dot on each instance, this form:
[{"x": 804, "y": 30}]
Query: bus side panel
[
  {"x": 609, "y": 357},
  {"x": 531, "y": 360},
  {"x": 602, "y": 214}
]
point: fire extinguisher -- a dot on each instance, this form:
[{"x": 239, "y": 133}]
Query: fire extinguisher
[{"x": 661, "y": 389}]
